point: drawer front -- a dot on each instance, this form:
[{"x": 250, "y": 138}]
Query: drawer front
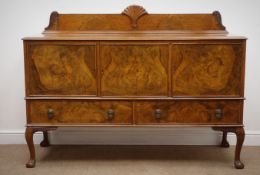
[
  {"x": 134, "y": 69},
  {"x": 61, "y": 69},
  {"x": 188, "y": 112},
  {"x": 79, "y": 112},
  {"x": 207, "y": 69}
]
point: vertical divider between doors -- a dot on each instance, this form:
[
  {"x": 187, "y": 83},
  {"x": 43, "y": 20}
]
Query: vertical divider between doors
[
  {"x": 98, "y": 67},
  {"x": 170, "y": 71}
]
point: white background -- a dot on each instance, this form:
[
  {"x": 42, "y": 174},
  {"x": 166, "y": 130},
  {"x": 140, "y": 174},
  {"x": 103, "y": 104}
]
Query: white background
[{"x": 28, "y": 17}]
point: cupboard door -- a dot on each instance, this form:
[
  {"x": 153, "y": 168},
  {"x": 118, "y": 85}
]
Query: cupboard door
[
  {"x": 207, "y": 69},
  {"x": 62, "y": 69},
  {"x": 134, "y": 70}
]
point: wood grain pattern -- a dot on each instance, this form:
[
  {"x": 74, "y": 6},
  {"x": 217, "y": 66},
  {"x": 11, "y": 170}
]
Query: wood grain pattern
[
  {"x": 131, "y": 70},
  {"x": 179, "y": 22},
  {"x": 203, "y": 69},
  {"x": 177, "y": 112},
  {"x": 81, "y": 22},
  {"x": 80, "y": 112},
  {"x": 62, "y": 70}
]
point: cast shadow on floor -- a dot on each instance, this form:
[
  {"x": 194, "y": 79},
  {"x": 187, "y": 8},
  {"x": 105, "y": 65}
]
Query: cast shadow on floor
[{"x": 135, "y": 152}]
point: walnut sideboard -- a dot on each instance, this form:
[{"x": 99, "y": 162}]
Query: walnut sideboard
[{"x": 135, "y": 69}]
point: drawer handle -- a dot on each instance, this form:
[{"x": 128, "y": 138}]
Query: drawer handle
[
  {"x": 157, "y": 113},
  {"x": 218, "y": 114},
  {"x": 110, "y": 114},
  {"x": 50, "y": 113}
]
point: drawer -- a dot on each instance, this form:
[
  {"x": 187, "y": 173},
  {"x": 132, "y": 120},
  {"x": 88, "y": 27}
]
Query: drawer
[
  {"x": 188, "y": 112},
  {"x": 60, "y": 69},
  {"x": 79, "y": 112}
]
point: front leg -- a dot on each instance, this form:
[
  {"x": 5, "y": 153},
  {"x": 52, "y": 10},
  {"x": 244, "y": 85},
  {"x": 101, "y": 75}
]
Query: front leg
[
  {"x": 29, "y": 139},
  {"x": 240, "y": 133}
]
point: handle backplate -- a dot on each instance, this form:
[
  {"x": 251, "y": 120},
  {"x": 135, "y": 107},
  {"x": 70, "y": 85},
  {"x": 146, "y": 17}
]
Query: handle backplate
[
  {"x": 157, "y": 113},
  {"x": 110, "y": 114},
  {"x": 50, "y": 113},
  {"x": 218, "y": 114}
]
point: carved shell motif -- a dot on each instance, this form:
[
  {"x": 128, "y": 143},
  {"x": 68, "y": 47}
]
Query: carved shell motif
[{"x": 134, "y": 12}]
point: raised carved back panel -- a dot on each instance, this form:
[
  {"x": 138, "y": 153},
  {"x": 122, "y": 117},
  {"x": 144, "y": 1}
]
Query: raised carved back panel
[
  {"x": 134, "y": 18},
  {"x": 79, "y": 22}
]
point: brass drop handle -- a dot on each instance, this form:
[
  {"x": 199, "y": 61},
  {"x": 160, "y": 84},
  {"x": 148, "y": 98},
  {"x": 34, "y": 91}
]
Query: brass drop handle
[
  {"x": 50, "y": 113},
  {"x": 110, "y": 114},
  {"x": 157, "y": 113},
  {"x": 218, "y": 114}
]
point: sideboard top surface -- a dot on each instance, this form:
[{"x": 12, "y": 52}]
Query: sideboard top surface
[{"x": 135, "y": 23}]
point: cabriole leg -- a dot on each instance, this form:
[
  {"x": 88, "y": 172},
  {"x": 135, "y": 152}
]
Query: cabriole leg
[
  {"x": 45, "y": 141},
  {"x": 224, "y": 131},
  {"x": 224, "y": 142},
  {"x": 29, "y": 139},
  {"x": 240, "y": 133}
]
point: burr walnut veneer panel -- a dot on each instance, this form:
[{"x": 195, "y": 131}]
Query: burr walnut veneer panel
[
  {"x": 58, "y": 69},
  {"x": 80, "y": 112},
  {"x": 134, "y": 70},
  {"x": 207, "y": 69},
  {"x": 184, "y": 112}
]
